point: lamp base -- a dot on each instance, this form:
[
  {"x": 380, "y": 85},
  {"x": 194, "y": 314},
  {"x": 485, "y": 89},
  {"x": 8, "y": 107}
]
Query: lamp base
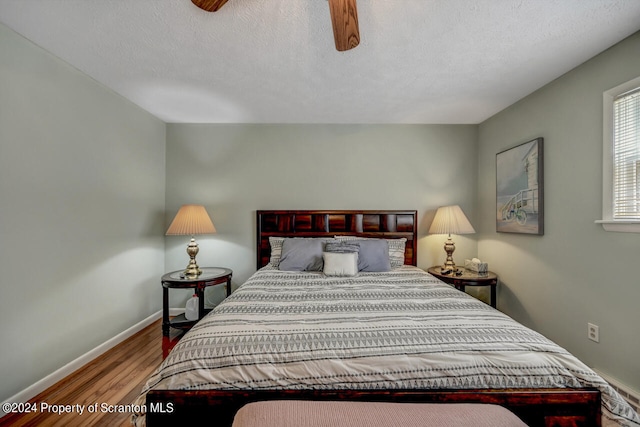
[
  {"x": 449, "y": 248},
  {"x": 192, "y": 269}
]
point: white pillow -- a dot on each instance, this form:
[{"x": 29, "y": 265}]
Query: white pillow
[{"x": 340, "y": 263}]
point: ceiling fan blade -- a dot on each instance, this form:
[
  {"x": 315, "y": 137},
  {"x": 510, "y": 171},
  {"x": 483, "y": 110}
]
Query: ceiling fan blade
[
  {"x": 344, "y": 17},
  {"x": 209, "y": 5}
]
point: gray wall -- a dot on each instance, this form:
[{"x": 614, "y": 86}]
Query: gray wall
[
  {"x": 235, "y": 170},
  {"x": 81, "y": 213},
  {"x": 576, "y": 273}
]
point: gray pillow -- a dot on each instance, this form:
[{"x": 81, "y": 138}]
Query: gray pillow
[
  {"x": 396, "y": 248},
  {"x": 373, "y": 255},
  {"x": 302, "y": 254},
  {"x": 341, "y": 247}
]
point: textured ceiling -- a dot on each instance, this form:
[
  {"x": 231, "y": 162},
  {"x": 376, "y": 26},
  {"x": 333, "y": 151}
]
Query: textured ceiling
[{"x": 274, "y": 61}]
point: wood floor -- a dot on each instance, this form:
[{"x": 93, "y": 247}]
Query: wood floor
[{"x": 114, "y": 378}]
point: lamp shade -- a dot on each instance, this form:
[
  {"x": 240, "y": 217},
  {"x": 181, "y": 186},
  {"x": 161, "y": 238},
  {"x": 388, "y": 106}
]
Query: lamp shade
[
  {"x": 450, "y": 220},
  {"x": 191, "y": 220}
]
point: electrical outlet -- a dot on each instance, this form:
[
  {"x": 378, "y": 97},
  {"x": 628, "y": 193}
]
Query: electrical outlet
[{"x": 593, "y": 332}]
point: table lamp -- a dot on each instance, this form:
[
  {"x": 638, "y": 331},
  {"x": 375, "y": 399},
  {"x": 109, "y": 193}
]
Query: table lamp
[
  {"x": 191, "y": 220},
  {"x": 450, "y": 220}
]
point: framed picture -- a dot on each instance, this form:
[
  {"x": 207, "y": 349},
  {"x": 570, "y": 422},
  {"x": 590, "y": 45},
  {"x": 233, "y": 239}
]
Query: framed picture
[{"x": 519, "y": 189}]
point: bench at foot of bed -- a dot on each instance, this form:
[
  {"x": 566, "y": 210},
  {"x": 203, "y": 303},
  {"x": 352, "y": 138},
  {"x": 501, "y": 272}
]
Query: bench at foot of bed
[{"x": 296, "y": 413}]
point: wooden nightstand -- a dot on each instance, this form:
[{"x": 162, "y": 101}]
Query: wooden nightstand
[
  {"x": 468, "y": 278},
  {"x": 175, "y": 280}
]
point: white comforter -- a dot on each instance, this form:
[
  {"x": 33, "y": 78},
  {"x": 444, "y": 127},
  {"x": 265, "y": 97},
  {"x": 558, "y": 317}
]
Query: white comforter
[{"x": 397, "y": 330}]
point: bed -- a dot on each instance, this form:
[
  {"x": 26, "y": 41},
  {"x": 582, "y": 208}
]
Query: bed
[{"x": 399, "y": 335}]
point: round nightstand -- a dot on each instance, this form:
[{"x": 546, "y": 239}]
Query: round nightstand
[
  {"x": 468, "y": 278},
  {"x": 210, "y": 276}
]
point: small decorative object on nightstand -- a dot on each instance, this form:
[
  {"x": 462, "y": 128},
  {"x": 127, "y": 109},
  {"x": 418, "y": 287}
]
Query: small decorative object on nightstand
[
  {"x": 209, "y": 276},
  {"x": 476, "y": 265},
  {"x": 464, "y": 278}
]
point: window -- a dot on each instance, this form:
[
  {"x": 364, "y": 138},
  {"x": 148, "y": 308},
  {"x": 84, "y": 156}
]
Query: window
[
  {"x": 626, "y": 155},
  {"x": 621, "y": 158}
]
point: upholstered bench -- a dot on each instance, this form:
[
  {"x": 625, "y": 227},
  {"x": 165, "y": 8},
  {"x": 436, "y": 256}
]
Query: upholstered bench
[{"x": 296, "y": 413}]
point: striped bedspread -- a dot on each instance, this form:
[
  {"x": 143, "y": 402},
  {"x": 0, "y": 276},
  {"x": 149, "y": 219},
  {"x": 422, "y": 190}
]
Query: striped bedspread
[{"x": 398, "y": 330}]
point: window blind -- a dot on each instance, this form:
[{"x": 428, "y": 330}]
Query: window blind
[{"x": 626, "y": 155}]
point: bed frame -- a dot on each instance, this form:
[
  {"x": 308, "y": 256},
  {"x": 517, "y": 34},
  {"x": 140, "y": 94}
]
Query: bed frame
[
  {"x": 375, "y": 224},
  {"x": 549, "y": 407}
]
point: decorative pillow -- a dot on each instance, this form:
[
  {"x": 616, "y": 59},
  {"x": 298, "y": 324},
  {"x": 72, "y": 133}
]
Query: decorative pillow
[
  {"x": 276, "y": 250},
  {"x": 341, "y": 247},
  {"x": 373, "y": 255},
  {"x": 396, "y": 251},
  {"x": 340, "y": 263},
  {"x": 302, "y": 254},
  {"x": 396, "y": 248}
]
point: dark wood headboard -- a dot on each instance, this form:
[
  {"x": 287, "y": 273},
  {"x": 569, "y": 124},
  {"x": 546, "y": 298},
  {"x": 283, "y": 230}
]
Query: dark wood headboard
[{"x": 383, "y": 224}]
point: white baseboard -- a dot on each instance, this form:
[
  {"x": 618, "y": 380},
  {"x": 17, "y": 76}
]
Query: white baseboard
[{"x": 40, "y": 386}]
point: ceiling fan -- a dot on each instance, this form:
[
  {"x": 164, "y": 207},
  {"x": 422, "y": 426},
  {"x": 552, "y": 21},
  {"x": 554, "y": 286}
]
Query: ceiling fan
[{"x": 344, "y": 18}]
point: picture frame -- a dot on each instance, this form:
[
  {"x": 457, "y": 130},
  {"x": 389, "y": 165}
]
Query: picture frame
[{"x": 520, "y": 189}]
